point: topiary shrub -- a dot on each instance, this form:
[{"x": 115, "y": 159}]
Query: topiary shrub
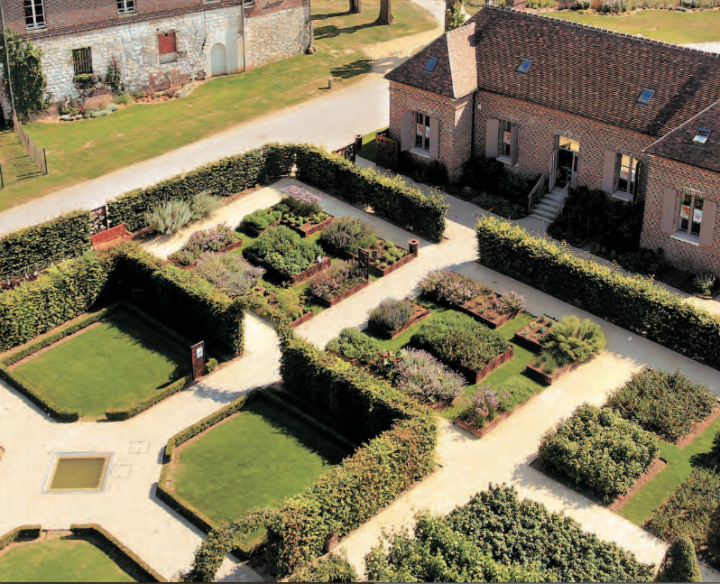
[
  {"x": 169, "y": 217},
  {"x": 680, "y": 563}
]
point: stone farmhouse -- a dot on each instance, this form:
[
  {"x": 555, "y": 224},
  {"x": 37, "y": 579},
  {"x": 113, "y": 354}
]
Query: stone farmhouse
[
  {"x": 158, "y": 43},
  {"x": 574, "y": 105}
]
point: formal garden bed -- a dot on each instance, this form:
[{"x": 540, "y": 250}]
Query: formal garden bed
[
  {"x": 393, "y": 317},
  {"x": 532, "y": 335},
  {"x": 340, "y": 281},
  {"x": 219, "y": 239}
]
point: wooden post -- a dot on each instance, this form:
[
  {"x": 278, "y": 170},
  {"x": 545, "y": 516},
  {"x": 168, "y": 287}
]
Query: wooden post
[{"x": 414, "y": 247}]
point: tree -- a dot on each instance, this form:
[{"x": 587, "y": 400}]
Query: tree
[
  {"x": 26, "y": 80},
  {"x": 386, "y": 15},
  {"x": 355, "y": 6},
  {"x": 680, "y": 563},
  {"x": 454, "y": 17}
]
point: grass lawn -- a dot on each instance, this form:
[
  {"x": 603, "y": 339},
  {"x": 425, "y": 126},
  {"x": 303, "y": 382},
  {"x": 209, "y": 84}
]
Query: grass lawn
[
  {"x": 368, "y": 150},
  {"x": 17, "y": 166},
  {"x": 512, "y": 371},
  {"x": 680, "y": 464},
  {"x": 260, "y": 457},
  {"x": 110, "y": 366},
  {"x": 664, "y": 25},
  {"x": 79, "y": 151},
  {"x": 59, "y": 560}
]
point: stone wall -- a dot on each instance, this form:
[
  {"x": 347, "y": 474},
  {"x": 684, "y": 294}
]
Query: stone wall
[{"x": 277, "y": 36}]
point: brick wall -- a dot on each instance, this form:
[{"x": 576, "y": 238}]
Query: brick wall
[{"x": 664, "y": 173}]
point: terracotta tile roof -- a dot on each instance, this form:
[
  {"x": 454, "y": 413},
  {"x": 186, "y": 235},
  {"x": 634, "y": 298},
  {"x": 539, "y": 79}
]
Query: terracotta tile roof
[
  {"x": 439, "y": 80},
  {"x": 679, "y": 144},
  {"x": 576, "y": 68}
]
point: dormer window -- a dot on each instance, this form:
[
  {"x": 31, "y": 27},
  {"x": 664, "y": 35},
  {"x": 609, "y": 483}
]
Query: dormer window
[
  {"x": 523, "y": 66},
  {"x": 430, "y": 65},
  {"x": 34, "y": 14},
  {"x": 126, "y": 6},
  {"x": 702, "y": 136},
  {"x": 645, "y": 96}
]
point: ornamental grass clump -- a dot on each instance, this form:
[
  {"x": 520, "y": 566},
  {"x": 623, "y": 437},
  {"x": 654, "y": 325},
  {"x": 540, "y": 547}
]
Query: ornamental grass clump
[
  {"x": 353, "y": 344},
  {"x": 229, "y": 273},
  {"x": 666, "y": 403},
  {"x": 450, "y": 287},
  {"x": 169, "y": 217},
  {"x": 348, "y": 234},
  {"x": 573, "y": 340},
  {"x": 202, "y": 242},
  {"x": 421, "y": 375},
  {"x": 459, "y": 341},
  {"x": 203, "y": 205},
  {"x": 340, "y": 278},
  {"x": 391, "y": 315},
  {"x": 284, "y": 250}
]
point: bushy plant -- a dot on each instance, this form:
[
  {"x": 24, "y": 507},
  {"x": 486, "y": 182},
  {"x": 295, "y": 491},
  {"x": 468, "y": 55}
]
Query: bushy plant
[
  {"x": 450, "y": 287},
  {"x": 354, "y": 344},
  {"x": 704, "y": 282},
  {"x": 642, "y": 261},
  {"x": 300, "y": 201},
  {"x": 573, "y": 340},
  {"x": 289, "y": 303},
  {"x": 285, "y": 251},
  {"x": 22, "y": 66},
  {"x": 169, "y": 217},
  {"x": 713, "y": 533},
  {"x": 483, "y": 405},
  {"x": 459, "y": 341},
  {"x": 262, "y": 218},
  {"x": 204, "y": 241},
  {"x": 331, "y": 568},
  {"x": 338, "y": 279},
  {"x": 666, "y": 403},
  {"x": 391, "y": 314},
  {"x": 124, "y": 98},
  {"x": 204, "y": 205},
  {"x": 597, "y": 449},
  {"x": 512, "y": 303},
  {"x": 500, "y": 206},
  {"x": 229, "y": 273},
  {"x": 515, "y": 187},
  {"x": 419, "y": 374},
  {"x": 680, "y": 563},
  {"x": 348, "y": 234}
]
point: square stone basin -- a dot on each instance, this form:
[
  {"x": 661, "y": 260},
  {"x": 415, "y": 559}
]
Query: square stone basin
[{"x": 80, "y": 472}]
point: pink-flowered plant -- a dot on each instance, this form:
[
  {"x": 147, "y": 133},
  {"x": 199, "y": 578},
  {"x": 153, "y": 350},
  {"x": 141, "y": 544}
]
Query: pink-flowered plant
[{"x": 485, "y": 401}]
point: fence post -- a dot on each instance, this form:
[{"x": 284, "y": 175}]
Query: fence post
[
  {"x": 2, "y": 180},
  {"x": 45, "y": 160}
]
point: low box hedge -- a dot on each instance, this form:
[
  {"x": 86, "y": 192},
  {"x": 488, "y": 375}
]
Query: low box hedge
[
  {"x": 22, "y": 532},
  {"x": 633, "y": 302},
  {"x": 175, "y": 387},
  {"x": 48, "y": 406}
]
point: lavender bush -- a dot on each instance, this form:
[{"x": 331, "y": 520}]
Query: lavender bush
[
  {"x": 512, "y": 303},
  {"x": 421, "y": 375},
  {"x": 348, "y": 234},
  {"x": 202, "y": 242},
  {"x": 391, "y": 314},
  {"x": 450, "y": 287},
  {"x": 483, "y": 405},
  {"x": 230, "y": 273},
  {"x": 300, "y": 201},
  {"x": 340, "y": 278}
]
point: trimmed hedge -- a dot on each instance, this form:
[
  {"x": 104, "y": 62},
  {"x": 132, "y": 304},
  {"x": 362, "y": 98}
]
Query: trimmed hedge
[
  {"x": 329, "y": 568},
  {"x": 124, "y": 556},
  {"x": 633, "y": 302},
  {"x": 680, "y": 563},
  {"x": 60, "y": 294},
  {"x": 174, "y": 387},
  {"x": 22, "y": 532},
  {"x": 48, "y": 406}
]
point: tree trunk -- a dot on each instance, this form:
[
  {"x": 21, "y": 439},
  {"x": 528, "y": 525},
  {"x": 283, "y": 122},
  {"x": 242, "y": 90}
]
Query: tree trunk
[
  {"x": 355, "y": 6},
  {"x": 386, "y": 15}
]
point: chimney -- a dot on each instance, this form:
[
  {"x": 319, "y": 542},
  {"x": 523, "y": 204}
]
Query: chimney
[{"x": 515, "y": 4}]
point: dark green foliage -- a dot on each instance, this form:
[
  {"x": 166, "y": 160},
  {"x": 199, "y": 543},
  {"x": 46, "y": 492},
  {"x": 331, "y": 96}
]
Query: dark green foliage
[
  {"x": 598, "y": 450},
  {"x": 515, "y": 187},
  {"x": 354, "y": 344},
  {"x": 713, "y": 533},
  {"x": 284, "y": 250},
  {"x": 666, "y": 403},
  {"x": 261, "y": 218},
  {"x": 573, "y": 339},
  {"x": 60, "y": 294},
  {"x": 687, "y": 512},
  {"x": 26, "y": 73},
  {"x": 523, "y": 532},
  {"x": 483, "y": 174},
  {"x": 36, "y": 247},
  {"x": 348, "y": 234},
  {"x": 437, "y": 553},
  {"x": 680, "y": 563},
  {"x": 635, "y": 303},
  {"x": 643, "y": 261},
  {"x": 23, "y": 532},
  {"x": 330, "y": 568},
  {"x": 174, "y": 387},
  {"x": 459, "y": 340}
]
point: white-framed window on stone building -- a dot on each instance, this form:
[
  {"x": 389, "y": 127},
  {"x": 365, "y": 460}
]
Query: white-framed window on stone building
[
  {"x": 420, "y": 134},
  {"x": 688, "y": 216},
  {"x": 621, "y": 173},
  {"x": 167, "y": 47},
  {"x": 501, "y": 141},
  {"x": 126, "y": 6},
  {"x": 34, "y": 14},
  {"x": 82, "y": 61}
]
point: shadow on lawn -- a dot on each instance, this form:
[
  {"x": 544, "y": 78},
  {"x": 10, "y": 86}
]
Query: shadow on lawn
[
  {"x": 331, "y": 31},
  {"x": 353, "y": 69}
]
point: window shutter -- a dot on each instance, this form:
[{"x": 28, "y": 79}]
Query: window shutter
[
  {"x": 434, "y": 138},
  {"x": 491, "y": 138},
  {"x": 514, "y": 144},
  {"x": 608, "y": 180},
  {"x": 166, "y": 43},
  {"x": 668, "y": 210},
  {"x": 707, "y": 227},
  {"x": 406, "y": 133}
]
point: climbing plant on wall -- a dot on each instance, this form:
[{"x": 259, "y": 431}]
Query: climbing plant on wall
[{"x": 27, "y": 80}]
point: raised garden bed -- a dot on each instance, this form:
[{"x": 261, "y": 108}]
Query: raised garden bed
[
  {"x": 419, "y": 313},
  {"x": 327, "y": 303},
  {"x": 549, "y": 378},
  {"x": 531, "y": 337},
  {"x": 258, "y": 232},
  {"x": 237, "y": 244},
  {"x": 474, "y": 377},
  {"x": 273, "y": 302},
  {"x": 309, "y": 228},
  {"x": 377, "y": 252},
  {"x": 483, "y": 308},
  {"x": 480, "y": 432},
  {"x": 316, "y": 268},
  {"x": 439, "y": 406}
]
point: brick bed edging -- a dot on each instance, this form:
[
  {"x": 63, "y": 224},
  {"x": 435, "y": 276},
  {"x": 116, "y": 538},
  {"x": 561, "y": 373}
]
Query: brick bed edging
[
  {"x": 538, "y": 375},
  {"x": 480, "y": 432},
  {"x": 304, "y": 318},
  {"x": 312, "y": 229},
  {"x": 316, "y": 268},
  {"x": 527, "y": 342},
  {"x": 258, "y": 232},
  {"x": 474, "y": 376},
  {"x": 235, "y": 245},
  {"x": 329, "y": 303}
]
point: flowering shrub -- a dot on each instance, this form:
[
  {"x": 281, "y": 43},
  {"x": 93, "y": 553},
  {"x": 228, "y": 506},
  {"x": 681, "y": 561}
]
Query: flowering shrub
[
  {"x": 231, "y": 274},
  {"x": 284, "y": 250},
  {"x": 348, "y": 234},
  {"x": 450, "y": 287},
  {"x": 354, "y": 344},
  {"x": 419, "y": 374},
  {"x": 340, "y": 278},
  {"x": 483, "y": 405},
  {"x": 300, "y": 201},
  {"x": 204, "y": 241},
  {"x": 512, "y": 303},
  {"x": 391, "y": 314}
]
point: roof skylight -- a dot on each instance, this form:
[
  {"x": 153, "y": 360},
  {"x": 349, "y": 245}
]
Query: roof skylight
[
  {"x": 430, "y": 65},
  {"x": 645, "y": 96},
  {"x": 524, "y": 66},
  {"x": 702, "y": 136}
]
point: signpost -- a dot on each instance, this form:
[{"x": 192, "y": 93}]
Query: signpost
[{"x": 198, "y": 360}]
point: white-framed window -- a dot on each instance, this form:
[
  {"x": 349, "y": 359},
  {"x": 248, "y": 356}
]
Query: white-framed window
[
  {"x": 126, "y": 6},
  {"x": 690, "y": 213},
  {"x": 34, "y": 14},
  {"x": 422, "y": 132},
  {"x": 627, "y": 176}
]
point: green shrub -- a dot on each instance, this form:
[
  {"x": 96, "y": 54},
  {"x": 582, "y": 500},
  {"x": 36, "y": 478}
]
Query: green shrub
[
  {"x": 124, "y": 98},
  {"x": 523, "y": 532},
  {"x": 515, "y": 187},
  {"x": 459, "y": 340},
  {"x": 483, "y": 174},
  {"x": 598, "y": 450},
  {"x": 573, "y": 340},
  {"x": 680, "y": 563},
  {"x": 204, "y": 205},
  {"x": 348, "y": 234},
  {"x": 713, "y": 533},
  {"x": 289, "y": 303},
  {"x": 169, "y": 217},
  {"x": 391, "y": 314},
  {"x": 663, "y": 402},
  {"x": 147, "y": 403},
  {"x": 330, "y": 568},
  {"x": 633, "y": 302},
  {"x": 354, "y": 344},
  {"x": 211, "y": 365},
  {"x": 262, "y": 218},
  {"x": 284, "y": 250}
]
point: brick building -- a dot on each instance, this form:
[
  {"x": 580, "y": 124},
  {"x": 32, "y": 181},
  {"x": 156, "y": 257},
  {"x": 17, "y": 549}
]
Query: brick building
[
  {"x": 158, "y": 43},
  {"x": 574, "y": 105}
]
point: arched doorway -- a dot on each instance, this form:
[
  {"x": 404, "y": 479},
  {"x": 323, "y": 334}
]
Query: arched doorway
[{"x": 217, "y": 60}]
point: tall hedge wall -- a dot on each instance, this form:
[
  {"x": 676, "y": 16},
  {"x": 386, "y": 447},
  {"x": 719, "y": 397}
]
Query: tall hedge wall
[{"x": 633, "y": 302}]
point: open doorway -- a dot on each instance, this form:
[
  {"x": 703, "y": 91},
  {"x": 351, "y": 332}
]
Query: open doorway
[{"x": 566, "y": 161}]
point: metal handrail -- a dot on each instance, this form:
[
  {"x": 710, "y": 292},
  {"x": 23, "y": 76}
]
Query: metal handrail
[{"x": 537, "y": 192}]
